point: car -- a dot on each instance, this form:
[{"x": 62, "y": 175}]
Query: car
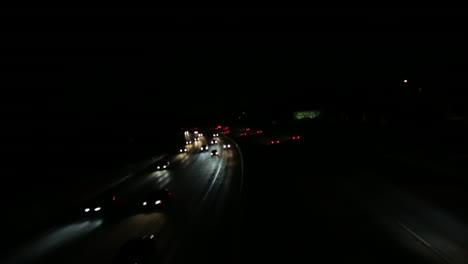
[
  {"x": 188, "y": 142},
  {"x": 140, "y": 250},
  {"x": 204, "y": 148},
  {"x": 296, "y": 137},
  {"x": 183, "y": 149},
  {"x": 162, "y": 164},
  {"x": 274, "y": 141},
  {"x": 214, "y": 141},
  {"x": 196, "y": 139},
  {"x": 96, "y": 207},
  {"x": 226, "y": 146},
  {"x": 102, "y": 205},
  {"x": 215, "y": 135},
  {"x": 200, "y": 134},
  {"x": 154, "y": 200},
  {"x": 214, "y": 153}
]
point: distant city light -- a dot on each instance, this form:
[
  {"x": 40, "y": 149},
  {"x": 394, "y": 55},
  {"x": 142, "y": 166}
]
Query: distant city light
[{"x": 306, "y": 115}]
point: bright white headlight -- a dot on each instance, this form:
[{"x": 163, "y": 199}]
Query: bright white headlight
[
  {"x": 87, "y": 210},
  {"x": 144, "y": 203},
  {"x": 157, "y": 202},
  {"x": 97, "y": 209}
]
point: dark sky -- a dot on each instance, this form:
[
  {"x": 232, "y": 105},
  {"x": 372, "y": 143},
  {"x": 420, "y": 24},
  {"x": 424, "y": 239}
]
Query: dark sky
[
  {"x": 79, "y": 83},
  {"x": 169, "y": 61}
]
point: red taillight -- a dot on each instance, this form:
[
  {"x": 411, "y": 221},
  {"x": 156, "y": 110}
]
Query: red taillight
[
  {"x": 272, "y": 142},
  {"x": 293, "y": 138},
  {"x": 247, "y": 129},
  {"x": 277, "y": 141},
  {"x": 114, "y": 197},
  {"x": 298, "y": 137}
]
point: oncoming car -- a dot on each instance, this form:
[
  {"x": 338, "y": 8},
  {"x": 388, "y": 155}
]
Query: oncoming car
[
  {"x": 196, "y": 139},
  {"x": 155, "y": 200},
  {"x": 215, "y": 135},
  {"x": 214, "y": 141},
  {"x": 182, "y": 150},
  {"x": 162, "y": 164},
  {"x": 214, "y": 153},
  {"x": 204, "y": 148},
  {"x": 226, "y": 146},
  {"x": 102, "y": 205},
  {"x": 188, "y": 142}
]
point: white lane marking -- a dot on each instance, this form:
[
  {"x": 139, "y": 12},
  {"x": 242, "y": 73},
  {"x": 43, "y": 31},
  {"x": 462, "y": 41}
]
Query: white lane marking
[
  {"x": 213, "y": 181},
  {"x": 436, "y": 251},
  {"x": 242, "y": 164}
]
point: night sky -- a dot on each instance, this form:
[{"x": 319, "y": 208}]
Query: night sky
[{"x": 95, "y": 72}]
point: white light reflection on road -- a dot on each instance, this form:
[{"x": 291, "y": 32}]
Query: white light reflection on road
[{"x": 54, "y": 239}]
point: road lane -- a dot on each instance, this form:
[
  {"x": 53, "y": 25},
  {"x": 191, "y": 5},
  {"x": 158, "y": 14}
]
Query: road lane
[
  {"x": 308, "y": 200},
  {"x": 202, "y": 186}
]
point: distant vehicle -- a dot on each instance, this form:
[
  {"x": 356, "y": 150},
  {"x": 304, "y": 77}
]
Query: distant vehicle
[
  {"x": 162, "y": 164},
  {"x": 200, "y": 134},
  {"x": 196, "y": 139},
  {"x": 155, "y": 200},
  {"x": 188, "y": 142},
  {"x": 215, "y": 135},
  {"x": 204, "y": 148},
  {"x": 296, "y": 137},
  {"x": 214, "y": 153},
  {"x": 226, "y": 146},
  {"x": 104, "y": 205},
  {"x": 141, "y": 250},
  {"x": 98, "y": 207},
  {"x": 214, "y": 141},
  {"x": 274, "y": 141},
  {"x": 182, "y": 150}
]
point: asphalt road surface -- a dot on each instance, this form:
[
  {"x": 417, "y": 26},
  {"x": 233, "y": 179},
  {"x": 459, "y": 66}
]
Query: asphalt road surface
[
  {"x": 324, "y": 197},
  {"x": 201, "y": 224}
]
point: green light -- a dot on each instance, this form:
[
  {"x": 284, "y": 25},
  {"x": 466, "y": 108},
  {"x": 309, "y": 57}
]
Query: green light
[{"x": 306, "y": 115}]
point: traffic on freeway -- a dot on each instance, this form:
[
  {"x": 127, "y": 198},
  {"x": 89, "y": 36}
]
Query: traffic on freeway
[{"x": 173, "y": 201}]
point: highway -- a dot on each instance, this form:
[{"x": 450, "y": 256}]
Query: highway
[
  {"x": 207, "y": 199},
  {"x": 324, "y": 197},
  {"x": 313, "y": 198}
]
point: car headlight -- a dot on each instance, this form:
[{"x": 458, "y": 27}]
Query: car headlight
[
  {"x": 97, "y": 209},
  {"x": 87, "y": 210},
  {"x": 158, "y": 202},
  {"x": 158, "y": 167},
  {"x": 144, "y": 203},
  {"x": 164, "y": 166}
]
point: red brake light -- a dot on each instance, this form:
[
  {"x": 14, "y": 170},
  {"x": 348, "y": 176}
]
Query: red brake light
[
  {"x": 114, "y": 197},
  {"x": 298, "y": 137},
  {"x": 247, "y": 129},
  {"x": 272, "y": 142},
  {"x": 277, "y": 141}
]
